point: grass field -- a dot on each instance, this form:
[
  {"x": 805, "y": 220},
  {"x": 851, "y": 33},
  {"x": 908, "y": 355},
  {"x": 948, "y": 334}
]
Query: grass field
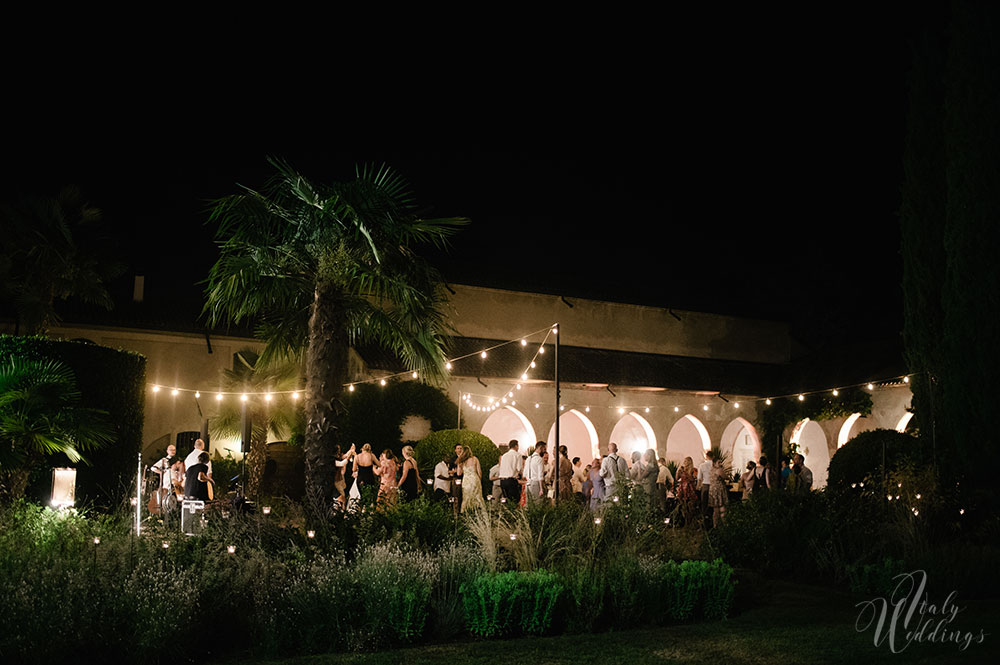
[{"x": 793, "y": 624}]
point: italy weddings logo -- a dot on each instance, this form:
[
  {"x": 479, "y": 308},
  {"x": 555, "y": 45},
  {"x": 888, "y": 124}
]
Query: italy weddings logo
[{"x": 908, "y": 616}]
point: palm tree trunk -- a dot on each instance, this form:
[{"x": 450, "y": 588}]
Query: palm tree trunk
[
  {"x": 256, "y": 460},
  {"x": 326, "y": 374}
]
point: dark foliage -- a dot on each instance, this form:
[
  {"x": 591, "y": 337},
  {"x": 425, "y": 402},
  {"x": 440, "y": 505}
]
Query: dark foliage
[
  {"x": 375, "y": 413},
  {"x": 109, "y": 380}
]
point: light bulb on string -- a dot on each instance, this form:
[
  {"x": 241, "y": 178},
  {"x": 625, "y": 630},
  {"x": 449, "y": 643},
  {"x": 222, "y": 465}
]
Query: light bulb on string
[
  {"x": 621, "y": 410},
  {"x": 871, "y": 386},
  {"x": 243, "y": 397},
  {"x": 532, "y": 364},
  {"x": 524, "y": 377},
  {"x": 156, "y": 389},
  {"x": 677, "y": 409},
  {"x": 705, "y": 407},
  {"x": 482, "y": 355},
  {"x": 555, "y": 331},
  {"x": 736, "y": 405},
  {"x": 295, "y": 395},
  {"x": 414, "y": 375},
  {"x": 768, "y": 401},
  {"x": 835, "y": 392},
  {"x": 802, "y": 398},
  {"x": 197, "y": 394},
  {"x": 218, "y": 397},
  {"x": 587, "y": 409},
  {"x": 524, "y": 342},
  {"x": 562, "y": 407},
  {"x": 350, "y": 388},
  {"x": 541, "y": 349},
  {"x": 906, "y": 379},
  {"x": 447, "y": 365},
  {"x": 174, "y": 392},
  {"x": 381, "y": 382},
  {"x": 647, "y": 409},
  {"x": 536, "y": 405},
  {"x": 519, "y": 385}
]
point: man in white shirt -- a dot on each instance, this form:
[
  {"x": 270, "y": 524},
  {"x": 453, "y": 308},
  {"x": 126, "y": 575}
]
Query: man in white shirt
[
  {"x": 442, "y": 479},
  {"x": 579, "y": 476},
  {"x": 805, "y": 473},
  {"x": 511, "y": 465},
  {"x": 664, "y": 482},
  {"x": 192, "y": 458},
  {"x": 705, "y": 479},
  {"x": 162, "y": 468},
  {"x": 535, "y": 473},
  {"x": 614, "y": 470}
]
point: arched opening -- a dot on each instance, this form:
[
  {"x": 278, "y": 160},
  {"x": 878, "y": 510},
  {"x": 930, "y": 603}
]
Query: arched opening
[
  {"x": 845, "y": 429},
  {"x": 809, "y": 437},
  {"x": 633, "y": 433},
  {"x": 904, "y": 422},
  {"x": 578, "y": 434},
  {"x": 506, "y": 424},
  {"x": 741, "y": 443},
  {"x": 688, "y": 438}
]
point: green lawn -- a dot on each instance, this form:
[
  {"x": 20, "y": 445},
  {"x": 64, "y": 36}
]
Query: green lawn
[{"x": 794, "y": 624}]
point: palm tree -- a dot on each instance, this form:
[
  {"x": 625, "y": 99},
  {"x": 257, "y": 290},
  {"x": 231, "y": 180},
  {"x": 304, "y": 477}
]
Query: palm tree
[
  {"x": 50, "y": 252},
  {"x": 321, "y": 267},
  {"x": 278, "y": 415},
  {"x": 40, "y": 415}
]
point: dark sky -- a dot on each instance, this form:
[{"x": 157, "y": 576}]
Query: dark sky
[{"x": 753, "y": 172}]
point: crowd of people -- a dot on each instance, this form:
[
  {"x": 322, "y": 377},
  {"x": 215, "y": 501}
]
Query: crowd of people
[{"x": 519, "y": 478}]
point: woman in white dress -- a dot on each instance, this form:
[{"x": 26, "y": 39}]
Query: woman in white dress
[{"x": 472, "y": 486}]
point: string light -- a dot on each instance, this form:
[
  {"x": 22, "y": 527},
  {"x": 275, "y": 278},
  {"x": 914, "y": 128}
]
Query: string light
[
  {"x": 906, "y": 379},
  {"x": 835, "y": 392},
  {"x": 621, "y": 410},
  {"x": 704, "y": 407},
  {"x": 541, "y": 349},
  {"x": 802, "y": 398},
  {"x": 218, "y": 397},
  {"x": 447, "y": 365},
  {"x": 174, "y": 392},
  {"x": 156, "y": 389},
  {"x": 587, "y": 409},
  {"x": 296, "y": 395},
  {"x": 414, "y": 375},
  {"x": 482, "y": 355},
  {"x": 268, "y": 397},
  {"x": 231, "y": 549},
  {"x": 871, "y": 386},
  {"x": 532, "y": 364},
  {"x": 768, "y": 401},
  {"x": 381, "y": 382},
  {"x": 524, "y": 342},
  {"x": 243, "y": 397},
  {"x": 677, "y": 409},
  {"x": 197, "y": 394}
]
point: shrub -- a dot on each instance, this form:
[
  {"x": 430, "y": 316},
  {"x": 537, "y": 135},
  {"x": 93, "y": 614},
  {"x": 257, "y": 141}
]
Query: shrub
[
  {"x": 437, "y": 445},
  {"x": 862, "y": 456},
  {"x": 109, "y": 380},
  {"x": 395, "y": 586},
  {"x": 375, "y": 413},
  {"x": 874, "y": 579},
  {"x": 504, "y": 603}
]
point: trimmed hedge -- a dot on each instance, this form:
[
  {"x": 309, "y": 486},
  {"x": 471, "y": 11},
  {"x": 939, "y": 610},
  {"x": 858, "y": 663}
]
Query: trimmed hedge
[
  {"x": 436, "y": 445},
  {"x": 862, "y": 456},
  {"x": 375, "y": 413},
  {"x": 110, "y": 380}
]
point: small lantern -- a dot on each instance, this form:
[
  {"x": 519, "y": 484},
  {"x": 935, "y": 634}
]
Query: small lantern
[
  {"x": 266, "y": 510},
  {"x": 231, "y": 549},
  {"x": 597, "y": 520},
  {"x": 63, "y": 487},
  {"x": 311, "y": 533}
]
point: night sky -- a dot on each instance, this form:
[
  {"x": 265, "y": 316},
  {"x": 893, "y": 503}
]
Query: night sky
[{"x": 752, "y": 172}]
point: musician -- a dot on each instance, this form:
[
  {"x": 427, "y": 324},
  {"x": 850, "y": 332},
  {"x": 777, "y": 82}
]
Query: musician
[
  {"x": 192, "y": 458},
  {"x": 163, "y": 469},
  {"x": 197, "y": 479}
]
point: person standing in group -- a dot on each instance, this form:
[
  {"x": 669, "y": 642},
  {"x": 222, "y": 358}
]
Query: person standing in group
[
  {"x": 409, "y": 479},
  {"x": 364, "y": 471},
  {"x": 647, "y": 477},
  {"x": 747, "y": 480},
  {"x": 471, "y": 474},
  {"x": 339, "y": 482},
  {"x": 194, "y": 455},
  {"x": 765, "y": 481},
  {"x": 197, "y": 479},
  {"x": 805, "y": 474},
  {"x": 718, "y": 497},
  {"x": 704, "y": 480},
  {"x": 687, "y": 489},
  {"x": 494, "y": 476},
  {"x": 511, "y": 465},
  {"x": 664, "y": 483},
  {"x": 564, "y": 468},
  {"x": 456, "y": 480},
  {"x": 442, "y": 479},
  {"x": 597, "y": 491},
  {"x": 614, "y": 471},
  {"x": 579, "y": 478},
  {"x": 786, "y": 470},
  {"x": 386, "y": 470},
  {"x": 535, "y": 473},
  {"x": 635, "y": 468}
]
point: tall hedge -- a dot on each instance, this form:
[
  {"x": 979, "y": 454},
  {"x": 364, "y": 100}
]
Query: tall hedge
[
  {"x": 110, "y": 380},
  {"x": 436, "y": 445},
  {"x": 374, "y": 413}
]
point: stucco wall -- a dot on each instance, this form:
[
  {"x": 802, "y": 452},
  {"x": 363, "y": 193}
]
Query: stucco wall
[{"x": 498, "y": 314}]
